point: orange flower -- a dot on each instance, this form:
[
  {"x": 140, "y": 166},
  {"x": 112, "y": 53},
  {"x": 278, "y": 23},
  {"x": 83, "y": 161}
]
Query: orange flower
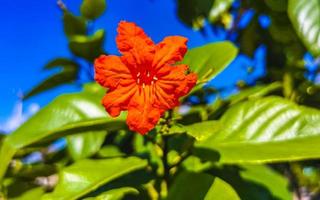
[{"x": 143, "y": 80}]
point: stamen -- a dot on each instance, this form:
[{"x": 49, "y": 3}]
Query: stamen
[
  {"x": 138, "y": 74},
  {"x": 152, "y": 82},
  {"x": 148, "y": 74},
  {"x": 155, "y": 78},
  {"x": 143, "y": 85},
  {"x": 138, "y": 80}
]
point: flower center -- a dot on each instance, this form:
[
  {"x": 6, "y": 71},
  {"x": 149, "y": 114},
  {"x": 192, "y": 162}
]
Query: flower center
[{"x": 146, "y": 78}]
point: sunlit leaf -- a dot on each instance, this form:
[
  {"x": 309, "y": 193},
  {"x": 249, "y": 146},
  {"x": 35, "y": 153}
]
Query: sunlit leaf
[
  {"x": 219, "y": 7},
  {"x": 66, "y": 115},
  {"x": 115, "y": 194},
  {"x": 264, "y": 130},
  {"x": 199, "y": 186},
  {"x": 85, "y": 144},
  {"x": 209, "y": 60},
  {"x": 88, "y": 175},
  {"x": 305, "y": 16}
]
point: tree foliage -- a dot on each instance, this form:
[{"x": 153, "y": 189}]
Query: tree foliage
[{"x": 258, "y": 143}]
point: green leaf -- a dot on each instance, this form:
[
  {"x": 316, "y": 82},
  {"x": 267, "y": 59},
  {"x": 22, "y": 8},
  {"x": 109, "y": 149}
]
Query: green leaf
[
  {"x": 221, "y": 190},
  {"x": 68, "y": 74},
  {"x": 30, "y": 194},
  {"x": 211, "y": 59},
  {"x": 73, "y": 25},
  {"x": 66, "y": 115},
  {"x": 64, "y": 77},
  {"x": 254, "y": 181},
  {"x": 85, "y": 144},
  {"x": 199, "y": 186},
  {"x": 305, "y": 16},
  {"x": 263, "y": 175},
  {"x": 60, "y": 62},
  {"x": 219, "y": 7},
  {"x": 202, "y": 130},
  {"x": 115, "y": 194},
  {"x": 254, "y": 92},
  {"x": 92, "y": 9},
  {"x": 277, "y": 5},
  {"x": 88, "y": 175},
  {"x": 87, "y": 47},
  {"x": 264, "y": 130},
  {"x": 110, "y": 151}
]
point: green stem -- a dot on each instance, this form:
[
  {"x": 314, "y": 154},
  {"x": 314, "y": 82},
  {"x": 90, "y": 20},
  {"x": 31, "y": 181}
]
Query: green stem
[{"x": 166, "y": 168}]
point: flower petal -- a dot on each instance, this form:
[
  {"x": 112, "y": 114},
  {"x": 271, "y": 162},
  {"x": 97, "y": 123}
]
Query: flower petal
[
  {"x": 110, "y": 71},
  {"x": 118, "y": 99},
  {"x": 173, "y": 83},
  {"x": 169, "y": 51},
  {"x": 130, "y": 36},
  {"x": 142, "y": 116}
]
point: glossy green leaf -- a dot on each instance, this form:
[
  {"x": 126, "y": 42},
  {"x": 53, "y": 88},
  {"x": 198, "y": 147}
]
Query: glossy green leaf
[
  {"x": 87, "y": 47},
  {"x": 211, "y": 59},
  {"x": 264, "y": 130},
  {"x": 92, "y": 9},
  {"x": 115, "y": 194},
  {"x": 199, "y": 186},
  {"x": 66, "y": 115},
  {"x": 73, "y": 25},
  {"x": 85, "y": 144},
  {"x": 88, "y": 175},
  {"x": 68, "y": 74},
  {"x": 305, "y": 17}
]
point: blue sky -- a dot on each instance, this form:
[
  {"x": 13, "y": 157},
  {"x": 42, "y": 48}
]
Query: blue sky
[{"x": 32, "y": 34}]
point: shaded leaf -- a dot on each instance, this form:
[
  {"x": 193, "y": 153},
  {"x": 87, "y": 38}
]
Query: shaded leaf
[
  {"x": 68, "y": 74},
  {"x": 88, "y": 175},
  {"x": 194, "y": 12},
  {"x": 254, "y": 182},
  {"x": 278, "y": 185},
  {"x": 73, "y": 25},
  {"x": 87, "y": 47}
]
